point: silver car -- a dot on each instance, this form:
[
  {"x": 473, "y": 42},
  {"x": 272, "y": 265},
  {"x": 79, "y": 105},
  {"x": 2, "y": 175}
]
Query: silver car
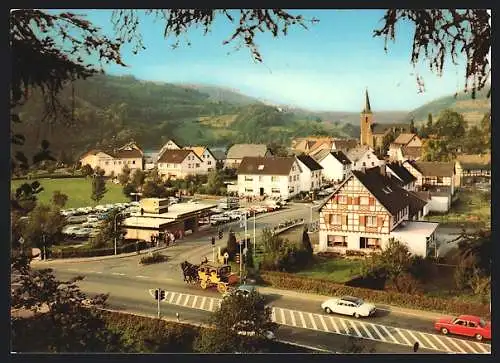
[{"x": 348, "y": 305}]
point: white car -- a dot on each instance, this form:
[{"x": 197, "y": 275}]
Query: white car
[{"x": 348, "y": 305}]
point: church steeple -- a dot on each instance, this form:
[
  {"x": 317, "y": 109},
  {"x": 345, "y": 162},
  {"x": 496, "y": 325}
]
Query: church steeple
[{"x": 367, "y": 108}]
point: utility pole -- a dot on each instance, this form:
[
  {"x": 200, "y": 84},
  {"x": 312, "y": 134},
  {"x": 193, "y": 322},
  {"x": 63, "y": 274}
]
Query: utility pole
[
  {"x": 241, "y": 259},
  {"x": 246, "y": 231},
  {"x": 254, "y": 239},
  {"x": 158, "y": 299}
]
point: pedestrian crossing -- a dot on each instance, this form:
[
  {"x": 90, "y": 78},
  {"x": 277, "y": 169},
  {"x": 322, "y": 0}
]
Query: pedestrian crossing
[{"x": 362, "y": 329}]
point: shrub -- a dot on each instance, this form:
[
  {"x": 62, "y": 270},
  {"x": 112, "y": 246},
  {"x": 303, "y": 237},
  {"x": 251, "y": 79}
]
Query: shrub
[
  {"x": 155, "y": 257},
  {"x": 412, "y": 301}
]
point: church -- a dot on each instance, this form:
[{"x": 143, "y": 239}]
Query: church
[{"x": 372, "y": 134}]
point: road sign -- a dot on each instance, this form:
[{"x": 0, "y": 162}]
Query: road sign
[
  {"x": 21, "y": 240},
  {"x": 226, "y": 255}
]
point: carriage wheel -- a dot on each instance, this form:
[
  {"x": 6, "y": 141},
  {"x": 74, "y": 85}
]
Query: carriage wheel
[
  {"x": 203, "y": 284},
  {"x": 222, "y": 288}
]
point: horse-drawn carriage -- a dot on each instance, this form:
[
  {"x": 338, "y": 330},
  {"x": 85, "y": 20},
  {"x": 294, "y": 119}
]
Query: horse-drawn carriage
[{"x": 208, "y": 275}]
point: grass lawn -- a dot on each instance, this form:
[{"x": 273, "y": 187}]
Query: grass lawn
[
  {"x": 78, "y": 191},
  {"x": 338, "y": 270},
  {"x": 471, "y": 206}
]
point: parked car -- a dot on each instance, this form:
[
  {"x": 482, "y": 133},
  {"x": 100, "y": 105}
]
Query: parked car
[
  {"x": 260, "y": 209},
  {"x": 92, "y": 218},
  {"x": 76, "y": 219},
  {"x": 82, "y": 232},
  {"x": 348, "y": 305},
  {"x": 466, "y": 325},
  {"x": 173, "y": 200},
  {"x": 219, "y": 219}
]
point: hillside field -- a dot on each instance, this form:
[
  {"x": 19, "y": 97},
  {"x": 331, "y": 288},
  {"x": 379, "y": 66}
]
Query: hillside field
[{"x": 78, "y": 191}]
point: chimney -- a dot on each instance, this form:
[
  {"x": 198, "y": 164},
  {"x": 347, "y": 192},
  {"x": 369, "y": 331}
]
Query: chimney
[{"x": 363, "y": 170}]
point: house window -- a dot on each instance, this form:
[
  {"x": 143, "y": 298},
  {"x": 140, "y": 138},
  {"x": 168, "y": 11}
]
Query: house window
[
  {"x": 197, "y": 165},
  {"x": 336, "y": 241},
  {"x": 372, "y": 243},
  {"x": 371, "y": 221},
  {"x": 373, "y": 164},
  {"x": 106, "y": 162},
  {"x": 274, "y": 178},
  {"x": 248, "y": 178},
  {"x": 248, "y": 190},
  {"x": 364, "y": 200},
  {"x": 335, "y": 219},
  {"x": 439, "y": 179},
  {"x": 209, "y": 163},
  {"x": 133, "y": 161},
  {"x": 342, "y": 199},
  {"x": 364, "y": 164},
  {"x": 275, "y": 190}
]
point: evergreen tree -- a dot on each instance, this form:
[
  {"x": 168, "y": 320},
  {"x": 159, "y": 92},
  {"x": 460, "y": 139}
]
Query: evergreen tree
[
  {"x": 232, "y": 245},
  {"x": 306, "y": 242},
  {"x": 98, "y": 188}
]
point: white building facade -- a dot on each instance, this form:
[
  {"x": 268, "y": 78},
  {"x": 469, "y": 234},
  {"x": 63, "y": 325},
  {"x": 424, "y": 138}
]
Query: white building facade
[{"x": 311, "y": 173}]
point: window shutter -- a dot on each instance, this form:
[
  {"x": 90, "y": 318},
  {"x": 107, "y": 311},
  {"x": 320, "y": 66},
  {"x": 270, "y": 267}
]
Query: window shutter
[
  {"x": 372, "y": 200},
  {"x": 380, "y": 221},
  {"x": 344, "y": 219},
  {"x": 362, "y": 220},
  {"x": 349, "y": 200}
]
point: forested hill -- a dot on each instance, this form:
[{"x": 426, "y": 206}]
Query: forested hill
[{"x": 111, "y": 110}]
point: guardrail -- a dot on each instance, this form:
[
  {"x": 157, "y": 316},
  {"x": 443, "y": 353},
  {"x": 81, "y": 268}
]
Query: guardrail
[{"x": 282, "y": 227}]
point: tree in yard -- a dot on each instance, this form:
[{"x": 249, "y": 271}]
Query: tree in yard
[
  {"x": 486, "y": 127},
  {"x": 278, "y": 149},
  {"x": 450, "y": 125},
  {"x": 59, "y": 199},
  {"x": 474, "y": 141},
  {"x": 23, "y": 200},
  {"x": 98, "y": 188},
  {"x": 129, "y": 188},
  {"x": 138, "y": 178},
  {"x": 124, "y": 177},
  {"x": 64, "y": 318},
  {"x": 306, "y": 242},
  {"x": 87, "y": 170},
  {"x": 236, "y": 314},
  {"x": 153, "y": 190},
  {"x": 43, "y": 228},
  {"x": 215, "y": 182},
  {"x": 232, "y": 245},
  {"x": 413, "y": 129}
]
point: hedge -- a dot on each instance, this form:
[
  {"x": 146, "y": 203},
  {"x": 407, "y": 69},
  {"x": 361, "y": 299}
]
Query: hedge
[
  {"x": 328, "y": 288},
  {"x": 72, "y": 252},
  {"x": 48, "y": 176}
]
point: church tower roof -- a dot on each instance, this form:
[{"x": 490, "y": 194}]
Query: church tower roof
[{"x": 367, "y": 108}]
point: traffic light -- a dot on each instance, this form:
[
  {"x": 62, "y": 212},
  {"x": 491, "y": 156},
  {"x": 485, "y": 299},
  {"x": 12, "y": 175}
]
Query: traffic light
[
  {"x": 157, "y": 291},
  {"x": 162, "y": 295},
  {"x": 220, "y": 234},
  {"x": 213, "y": 241},
  {"x": 237, "y": 258}
]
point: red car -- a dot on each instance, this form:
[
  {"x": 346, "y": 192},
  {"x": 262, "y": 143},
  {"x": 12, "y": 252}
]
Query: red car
[{"x": 467, "y": 325}]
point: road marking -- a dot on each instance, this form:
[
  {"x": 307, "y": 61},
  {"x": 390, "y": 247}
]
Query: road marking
[
  {"x": 178, "y": 299},
  {"x": 282, "y": 313},
  {"x": 355, "y": 328},
  {"x": 302, "y": 319},
  {"x": 325, "y": 328},
  {"x": 438, "y": 339},
  {"x": 203, "y": 303},
  {"x": 293, "y": 318},
  {"x": 389, "y": 333},
  {"x": 186, "y": 301},
  {"x": 311, "y": 317},
  {"x": 99, "y": 272},
  {"x": 428, "y": 341},
  {"x": 142, "y": 277},
  {"x": 91, "y": 271},
  {"x": 194, "y": 301},
  {"x": 481, "y": 347},
  {"x": 456, "y": 345},
  {"x": 345, "y": 327},
  {"x": 404, "y": 338},
  {"x": 367, "y": 331},
  {"x": 415, "y": 338},
  {"x": 468, "y": 346},
  {"x": 117, "y": 273},
  {"x": 211, "y": 304},
  {"x": 334, "y": 325},
  {"x": 172, "y": 297},
  {"x": 72, "y": 269},
  {"x": 378, "y": 333}
]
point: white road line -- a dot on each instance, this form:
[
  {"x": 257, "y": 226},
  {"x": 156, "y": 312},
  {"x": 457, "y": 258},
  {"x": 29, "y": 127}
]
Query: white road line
[
  {"x": 389, "y": 334},
  {"x": 438, "y": 339},
  {"x": 481, "y": 347},
  {"x": 171, "y": 298},
  {"x": 378, "y": 333},
  {"x": 99, "y": 272},
  {"x": 345, "y": 326},
  {"x": 178, "y": 299},
  {"x": 302, "y": 319},
  {"x": 311, "y": 317},
  {"x": 142, "y": 277},
  {"x": 325, "y": 328},
  {"x": 186, "y": 301},
  {"x": 415, "y": 338},
  {"x": 367, "y": 331},
  {"x": 335, "y": 325},
  {"x": 211, "y": 304},
  {"x": 355, "y": 328},
  {"x": 428, "y": 340},
  {"x": 282, "y": 313},
  {"x": 202, "y": 306},
  {"x": 72, "y": 269},
  {"x": 471, "y": 350},
  {"x": 456, "y": 345},
  {"x": 194, "y": 301},
  {"x": 404, "y": 338},
  {"x": 91, "y": 271},
  {"x": 293, "y": 317},
  {"x": 166, "y": 295}
]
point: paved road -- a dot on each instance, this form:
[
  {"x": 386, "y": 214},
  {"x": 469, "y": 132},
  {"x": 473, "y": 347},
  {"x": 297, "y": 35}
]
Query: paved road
[{"x": 301, "y": 318}]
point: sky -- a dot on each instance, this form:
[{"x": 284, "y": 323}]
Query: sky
[{"x": 325, "y": 68}]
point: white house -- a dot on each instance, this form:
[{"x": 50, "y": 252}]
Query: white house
[
  {"x": 237, "y": 152},
  {"x": 113, "y": 161},
  {"x": 270, "y": 176},
  {"x": 363, "y": 157},
  {"x": 177, "y": 164},
  {"x": 367, "y": 210},
  {"x": 336, "y": 165},
  {"x": 311, "y": 175},
  {"x": 169, "y": 145},
  {"x": 208, "y": 159}
]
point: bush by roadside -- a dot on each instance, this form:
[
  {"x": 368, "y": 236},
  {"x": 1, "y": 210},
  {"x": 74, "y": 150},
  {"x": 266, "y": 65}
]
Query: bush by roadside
[
  {"x": 411, "y": 301},
  {"x": 72, "y": 252},
  {"x": 155, "y": 257}
]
